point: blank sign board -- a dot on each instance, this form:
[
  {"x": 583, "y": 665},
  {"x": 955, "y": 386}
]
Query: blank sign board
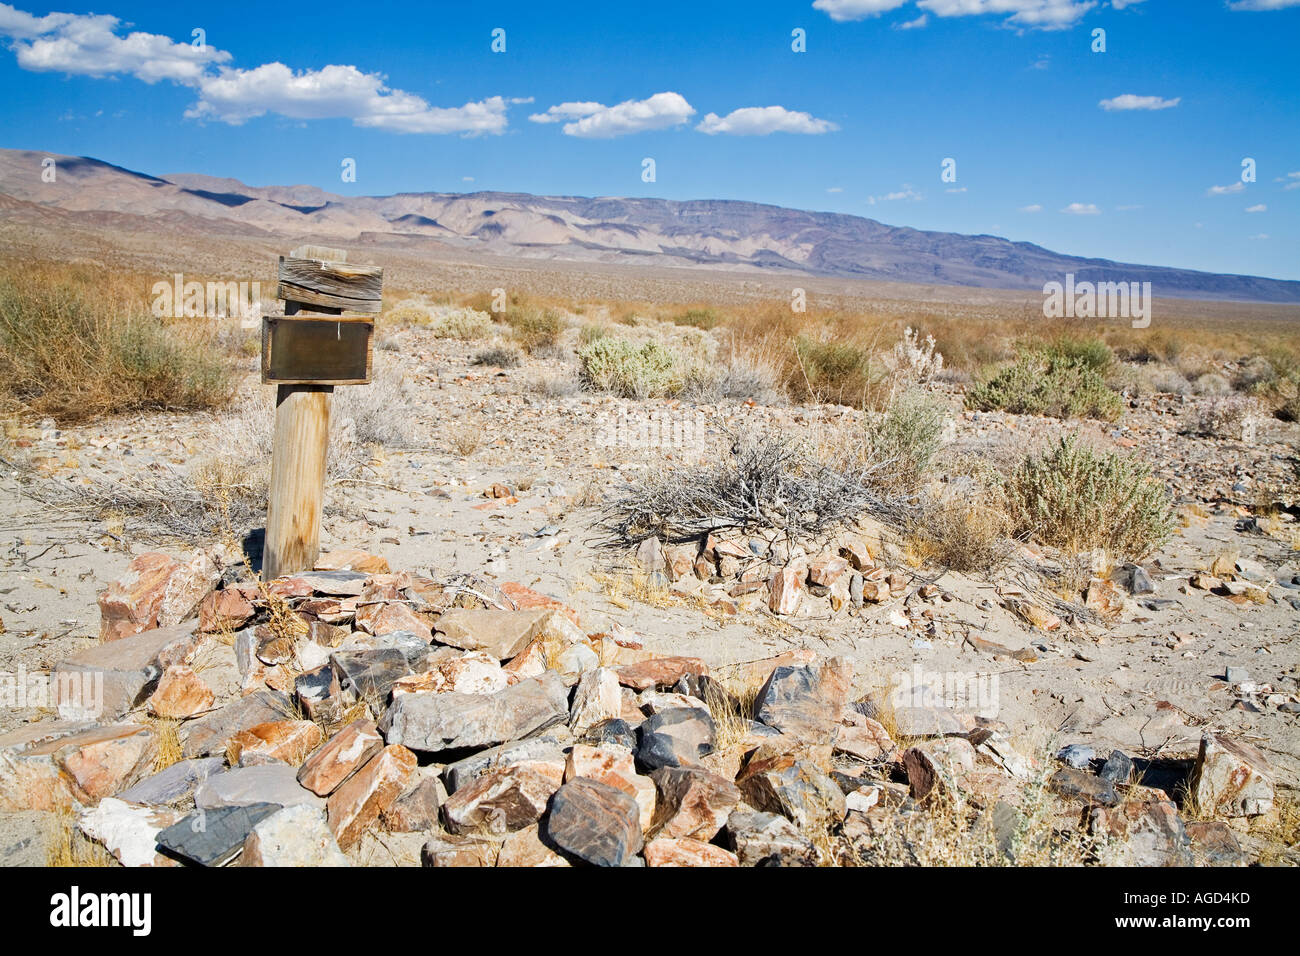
[{"x": 317, "y": 350}]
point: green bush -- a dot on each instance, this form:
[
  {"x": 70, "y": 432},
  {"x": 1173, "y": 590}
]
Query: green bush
[
  {"x": 834, "y": 372},
  {"x": 648, "y": 370},
  {"x": 1091, "y": 352},
  {"x": 1039, "y": 383},
  {"x": 464, "y": 325},
  {"x": 697, "y": 319},
  {"x": 1076, "y": 499},
  {"x": 909, "y": 436}
]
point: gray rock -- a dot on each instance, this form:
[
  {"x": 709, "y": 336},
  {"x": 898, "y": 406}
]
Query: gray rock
[
  {"x": 370, "y": 674},
  {"x": 296, "y": 836},
  {"x": 335, "y": 583},
  {"x": 320, "y": 694},
  {"x": 1076, "y": 784},
  {"x": 415, "y": 811},
  {"x": 108, "y": 680},
  {"x": 1237, "y": 675},
  {"x": 615, "y": 731},
  {"x": 503, "y": 634},
  {"x": 546, "y": 747},
  {"x": 806, "y": 700},
  {"x": 433, "y": 723},
  {"x": 275, "y": 784},
  {"x": 177, "y": 782},
  {"x": 674, "y": 738},
  {"x": 208, "y": 735},
  {"x": 1078, "y": 756},
  {"x": 1118, "y": 768},
  {"x": 213, "y": 837},
  {"x": 415, "y": 649},
  {"x": 767, "y": 839},
  {"x": 595, "y": 823},
  {"x": 795, "y": 788}
]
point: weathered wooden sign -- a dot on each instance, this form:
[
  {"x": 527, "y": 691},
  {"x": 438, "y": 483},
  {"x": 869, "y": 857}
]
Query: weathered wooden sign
[
  {"x": 306, "y": 354},
  {"x": 317, "y": 350}
]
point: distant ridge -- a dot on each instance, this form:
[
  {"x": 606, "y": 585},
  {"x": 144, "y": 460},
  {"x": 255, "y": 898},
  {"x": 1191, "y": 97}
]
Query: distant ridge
[{"x": 710, "y": 233}]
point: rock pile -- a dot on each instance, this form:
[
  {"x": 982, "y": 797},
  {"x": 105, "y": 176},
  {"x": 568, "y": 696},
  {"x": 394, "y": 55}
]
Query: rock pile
[{"x": 283, "y": 723}]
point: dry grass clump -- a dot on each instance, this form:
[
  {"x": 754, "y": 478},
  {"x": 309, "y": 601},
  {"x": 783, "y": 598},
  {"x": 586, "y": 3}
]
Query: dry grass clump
[
  {"x": 770, "y": 481},
  {"x": 66, "y": 845},
  {"x": 72, "y": 349},
  {"x": 499, "y": 356},
  {"x": 964, "y": 527},
  {"x": 1076, "y": 499},
  {"x": 533, "y": 328},
  {"x": 466, "y": 439}
]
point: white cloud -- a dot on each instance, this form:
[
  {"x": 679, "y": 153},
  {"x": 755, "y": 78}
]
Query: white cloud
[
  {"x": 955, "y": 189},
  {"x": 835, "y": 189},
  {"x": 916, "y": 24},
  {"x": 1258, "y": 207},
  {"x": 1034, "y": 207},
  {"x": 1292, "y": 180},
  {"x": 1262, "y": 4},
  {"x": 337, "y": 92},
  {"x": 1082, "y": 209},
  {"x": 1260, "y": 235},
  {"x": 90, "y": 46},
  {"x": 94, "y": 45},
  {"x": 762, "y": 120},
  {"x": 597, "y": 121},
  {"x": 1130, "y": 101},
  {"x": 1121, "y": 4},
  {"x": 1226, "y": 190},
  {"x": 906, "y": 193},
  {"x": 467, "y": 179},
  {"x": 1036, "y": 14},
  {"x": 842, "y": 10}
]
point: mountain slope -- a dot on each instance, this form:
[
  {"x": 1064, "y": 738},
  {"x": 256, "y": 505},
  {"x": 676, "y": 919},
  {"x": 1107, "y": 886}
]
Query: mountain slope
[{"x": 723, "y": 234}]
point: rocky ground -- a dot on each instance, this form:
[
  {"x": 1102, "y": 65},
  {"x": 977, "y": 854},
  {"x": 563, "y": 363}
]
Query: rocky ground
[{"x": 475, "y": 676}]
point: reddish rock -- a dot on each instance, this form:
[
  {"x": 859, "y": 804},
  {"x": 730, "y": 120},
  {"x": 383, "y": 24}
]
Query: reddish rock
[
  {"x": 826, "y": 570},
  {"x": 356, "y": 805},
  {"x": 181, "y": 693},
  {"x": 503, "y": 634},
  {"x": 61, "y": 764},
  {"x": 154, "y": 591},
  {"x": 785, "y": 590},
  {"x": 383, "y": 610},
  {"x": 352, "y": 559},
  {"x": 667, "y": 851},
  {"x": 932, "y": 764},
  {"x": 346, "y": 752},
  {"x": 616, "y": 767},
  {"x": 692, "y": 803},
  {"x": 225, "y": 610},
  {"x": 854, "y": 550},
  {"x": 661, "y": 672},
  {"x": 1232, "y": 778},
  {"x": 525, "y": 848},
  {"x": 451, "y": 850},
  {"x": 865, "y": 739},
  {"x": 287, "y": 740},
  {"x": 679, "y": 561},
  {"x": 500, "y": 801},
  {"x": 526, "y": 599},
  {"x": 110, "y": 679}
]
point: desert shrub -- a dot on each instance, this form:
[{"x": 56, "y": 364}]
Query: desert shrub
[
  {"x": 908, "y": 437},
  {"x": 464, "y": 325},
  {"x": 697, "y": 319},
  {"x": 1038, "y": 383},
  {"x": 68, "y": 353},
  {"x": 1170, "y": 381},
  {"x": 377, "y": 414},
  {"x": 499, "y": 356},
  {"x": 837, "y": 372},
  {"x": 915, "y": 359},
  {"x": 741, "y": 378},
  {"x": 590, "y": 332},
  {"x": 964, "y": 527},
  {"x": 554, "y": 384},
  {"x": 1092, "y": 353},
  {"x": 406, "y": 313},
  {"x": 1211, "y": 383},
  {"x": 1077, "y": 499},
  {"x": 1289, "y": 410},
  {"x": 533, "y": 328},
  {"x": 647, "y": 370},
  {"x": 1256, "y": 375},
  {"x": 764, "y": 481}
]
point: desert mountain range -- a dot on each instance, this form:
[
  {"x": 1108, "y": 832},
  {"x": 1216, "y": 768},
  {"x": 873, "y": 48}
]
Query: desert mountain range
[{"x": 712, "y": 234}]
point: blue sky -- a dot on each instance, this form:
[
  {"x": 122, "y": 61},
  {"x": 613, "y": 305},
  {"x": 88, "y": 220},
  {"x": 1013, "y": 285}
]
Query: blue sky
[{"x": 1134, "y": 153}]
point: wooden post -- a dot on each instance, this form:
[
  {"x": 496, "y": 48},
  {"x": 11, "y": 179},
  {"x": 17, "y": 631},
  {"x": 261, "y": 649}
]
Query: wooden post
[
  {"x": 305, "y": 373},
  {"x": 302, "y": 429}
]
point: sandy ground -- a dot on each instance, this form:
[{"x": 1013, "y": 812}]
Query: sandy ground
[{"x": 1149, "y": 683}]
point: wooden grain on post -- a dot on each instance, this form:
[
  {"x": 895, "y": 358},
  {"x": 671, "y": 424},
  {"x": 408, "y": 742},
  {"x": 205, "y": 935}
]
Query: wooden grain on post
[
  {"x": 334, "y": 285},
  {"x": 302, "y": 425}
]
